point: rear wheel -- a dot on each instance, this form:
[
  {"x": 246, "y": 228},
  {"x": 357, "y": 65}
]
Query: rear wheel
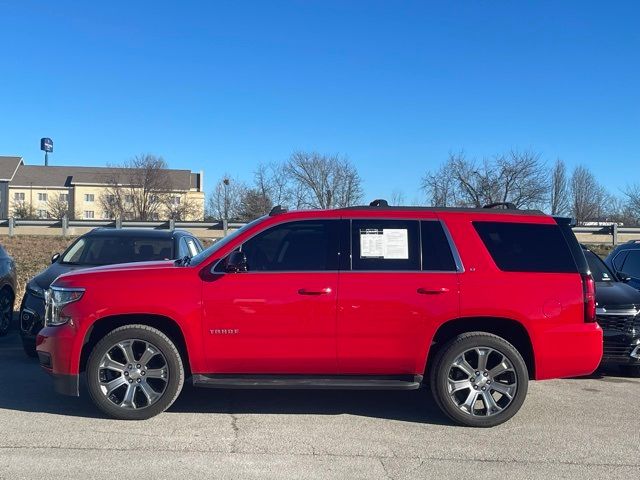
[
  {"x": 6, "y": 311},
  {"x": 29, "y": 347},
  {"x": 134, "y": 372},
  {"x": 479, "y": 379}
]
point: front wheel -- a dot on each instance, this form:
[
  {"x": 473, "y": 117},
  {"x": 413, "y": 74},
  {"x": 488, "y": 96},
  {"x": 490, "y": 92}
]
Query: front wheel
[
  {"x": 134, "y": 372},
  {"x": 6, "y": 311},
  {"x": 479, "y": 379}
]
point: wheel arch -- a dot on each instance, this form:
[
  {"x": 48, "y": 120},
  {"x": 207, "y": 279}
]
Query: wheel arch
[
  {"x": 511, "y": 330},
  {"x": 165, "y": 324}
]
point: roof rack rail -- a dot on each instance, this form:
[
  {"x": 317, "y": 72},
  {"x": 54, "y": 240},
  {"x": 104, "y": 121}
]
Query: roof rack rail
[
  {"x": 277, "y": 210},
  {"x": 379, "y": 202},
  {"x": 507, "y": 205}
]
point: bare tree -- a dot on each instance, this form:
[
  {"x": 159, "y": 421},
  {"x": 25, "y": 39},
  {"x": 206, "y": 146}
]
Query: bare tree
[
  {"x": 323, "y": 181},
  {"x": 516, "y": 177},
  {"x": 137, "y": 189},
  {"x": 559, "y": 202},
  {"x": 588, "y": 197},
  {"x": 224, "y": 200},
  {"x": 23, "y": 210},
  {"x": 631, "y": 207},
  {"x": 253, "y": 204},
  {"x": 58, "y": 206},
  {"x": 397, "y": 198},
  {"x": 180, "y": 207}
]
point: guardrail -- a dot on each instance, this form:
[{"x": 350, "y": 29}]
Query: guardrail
[
  {"x": 65, "y": 227},
  {"x": 602, "y": 234}
]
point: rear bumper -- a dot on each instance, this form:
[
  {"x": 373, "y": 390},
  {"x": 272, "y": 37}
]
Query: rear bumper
[
  {"x": 568, "y": 351},
  {"x": 55, "y": 346}
]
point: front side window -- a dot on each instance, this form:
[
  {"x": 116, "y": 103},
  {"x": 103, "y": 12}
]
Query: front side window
[
  {"x": 294, "y": 246},
  {"x": 631, "y": 264},
  {"x": 385, "y": 244}
]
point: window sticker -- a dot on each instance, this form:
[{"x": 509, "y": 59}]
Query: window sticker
[{"x": 387, "y": 243}]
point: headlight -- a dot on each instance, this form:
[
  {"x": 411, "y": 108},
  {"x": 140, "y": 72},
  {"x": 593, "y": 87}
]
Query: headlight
[
  {"x": 36, "y": 290},
  {"x": 56, "y": 299}
]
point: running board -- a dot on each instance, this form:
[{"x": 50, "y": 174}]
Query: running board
[{"x": 335, "y": 382}]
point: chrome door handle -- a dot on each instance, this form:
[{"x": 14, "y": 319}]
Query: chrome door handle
[
  {"x": 307, "y": 291},
  {"x": 432, "y": 291}
]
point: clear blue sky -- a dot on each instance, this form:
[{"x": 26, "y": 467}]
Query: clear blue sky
[{"x": 395, "y": 86}]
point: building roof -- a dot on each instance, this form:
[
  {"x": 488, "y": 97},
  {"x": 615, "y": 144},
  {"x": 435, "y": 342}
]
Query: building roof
[
  {"x": 66, "y": 176},
  {"x": 8, "y": 166}
]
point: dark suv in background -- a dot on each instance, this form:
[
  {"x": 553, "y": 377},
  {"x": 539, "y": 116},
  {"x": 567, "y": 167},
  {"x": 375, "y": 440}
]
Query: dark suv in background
[
  {"x": 101, "y": 246},
  {"x": 624, "y": 260},
  {"x": 618, "y": 313}
]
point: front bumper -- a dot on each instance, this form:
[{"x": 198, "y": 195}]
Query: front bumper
[
  {"x": 31, "y": 316},
  {"x": 55, "y": 347},
  {"x": 621, "y": 339}
]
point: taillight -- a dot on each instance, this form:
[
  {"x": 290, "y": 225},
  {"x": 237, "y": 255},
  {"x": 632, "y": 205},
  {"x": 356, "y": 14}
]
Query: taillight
[{"x": 589, "y": 292}]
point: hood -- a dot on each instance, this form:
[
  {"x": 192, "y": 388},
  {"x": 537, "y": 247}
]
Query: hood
[
  {"x": 616, "y": 295},
  {"x": 125, "y": 267},
  {"x": 45, "y": 278}
]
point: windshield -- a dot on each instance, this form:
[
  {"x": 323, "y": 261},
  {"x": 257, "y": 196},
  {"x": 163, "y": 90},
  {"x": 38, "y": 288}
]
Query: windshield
[
  {"x": 222, "y": 242},
  {"x": 599, "y": 269},
  {"x": 110, "y": 250}
]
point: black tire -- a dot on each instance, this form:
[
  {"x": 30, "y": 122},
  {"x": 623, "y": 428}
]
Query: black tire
[
  {"x": 174, "y": 366},
  {"x": 442, "y": 368},
  {"x": 631, "y": 370},
  {"x": 29, "y": 347},
  {"x": 6, "y": 311}
]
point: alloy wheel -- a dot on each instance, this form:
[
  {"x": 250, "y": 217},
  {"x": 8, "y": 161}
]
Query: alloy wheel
[
  {"x": 133, "y": 374},
  {"x": 482, "y": 381}
]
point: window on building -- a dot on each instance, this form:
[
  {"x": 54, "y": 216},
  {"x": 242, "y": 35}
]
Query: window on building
[
  {"x": 42, "y": 214},
  {"x": 128, "y": 198},
  {"x": 89, "y": 197},
  {"x": 18, "y": 196},
  {"x": 175, "y": 200},
  {"x": 64, "y": 197},
  {"x": 42, "y": 197},
  {"x": 89, "y": 214}
]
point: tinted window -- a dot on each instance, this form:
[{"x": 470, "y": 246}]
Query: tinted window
[
  {"x": 619, "y": 259},
  {"x": 599, "y": 270},
  {"x": 194, "y": 246},
  {"x": 183, "y": 250},
  {"x": 294, "y": 246},
  {"x": 108, "y": 250},
  {"x": 526, "y": 247},
  {"x": 631, "y": 265},
  {"x": 436, "y": 253},
  {"x": 385, "y": 245}
]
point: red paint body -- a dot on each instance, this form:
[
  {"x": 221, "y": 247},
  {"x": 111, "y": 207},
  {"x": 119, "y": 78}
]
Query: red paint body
[{"x": 360, "y": 323}]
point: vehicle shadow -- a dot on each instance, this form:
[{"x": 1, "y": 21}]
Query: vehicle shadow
[{"x": 24, "y": 386}]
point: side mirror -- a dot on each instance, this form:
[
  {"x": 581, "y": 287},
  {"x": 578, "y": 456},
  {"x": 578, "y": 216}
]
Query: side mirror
[
  {"x": 236, "y": 262},
  {"x": 55, "y": 257},
  {"x": 624, "y": 277}
]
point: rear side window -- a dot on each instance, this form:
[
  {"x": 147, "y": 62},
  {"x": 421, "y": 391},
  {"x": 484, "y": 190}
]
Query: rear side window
[
  {"x": 436, "y": 252},
  {"x": 526, "y": 247},
  {"x": 385, "y": 245}
]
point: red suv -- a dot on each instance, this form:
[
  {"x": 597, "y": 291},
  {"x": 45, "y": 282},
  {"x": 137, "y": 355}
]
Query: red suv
[{"x": 474, "y": 302}]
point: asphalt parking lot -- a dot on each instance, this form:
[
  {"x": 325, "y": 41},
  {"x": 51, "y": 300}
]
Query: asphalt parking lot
[{"x": 581, "y": 428}]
